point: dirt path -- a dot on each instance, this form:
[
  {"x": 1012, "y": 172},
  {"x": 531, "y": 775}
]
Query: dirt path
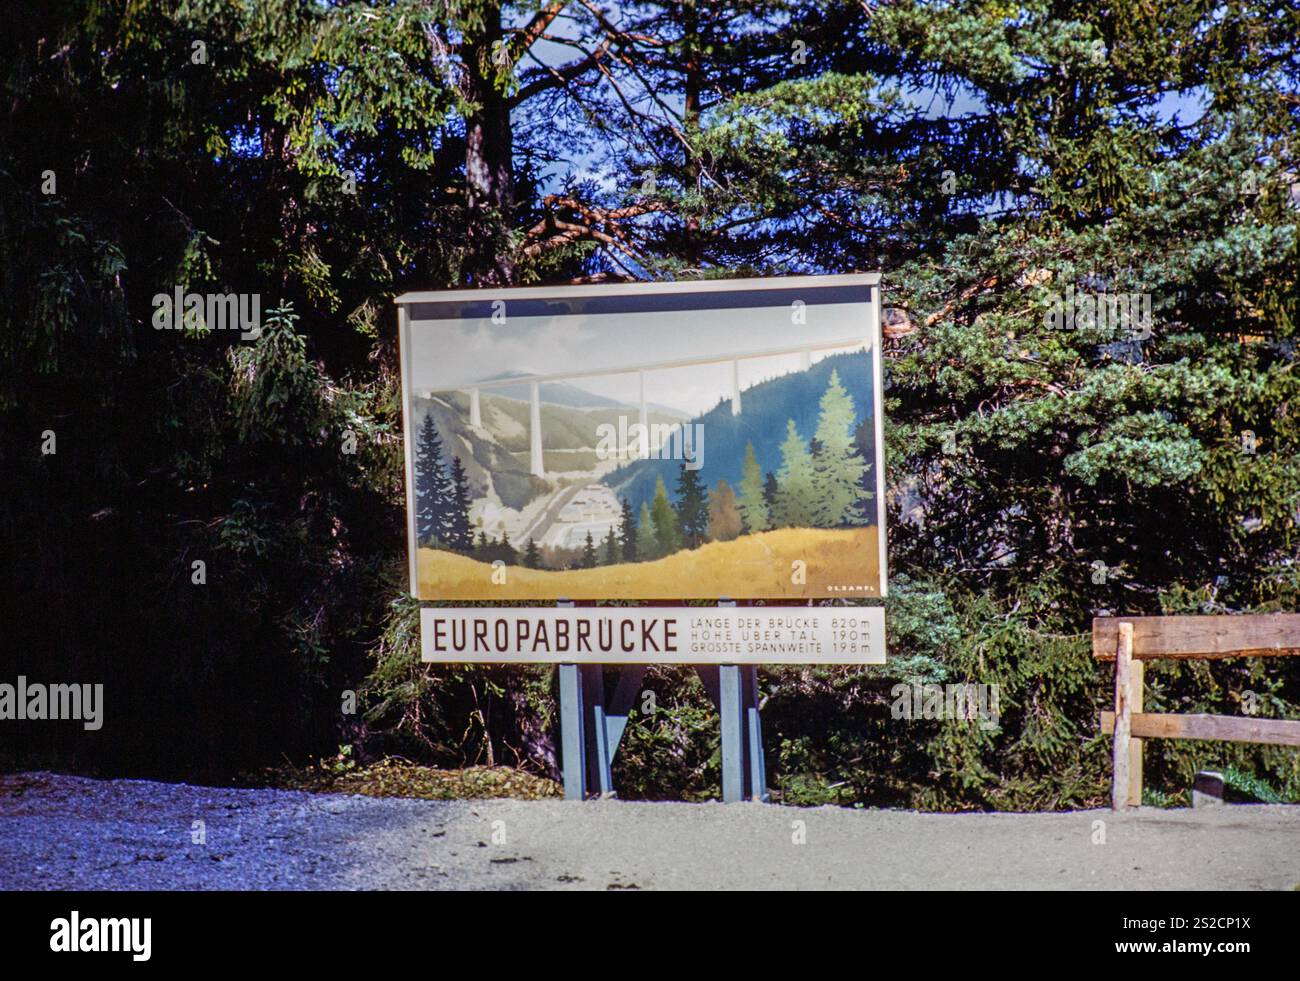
[{"x": 60, "y": 832}]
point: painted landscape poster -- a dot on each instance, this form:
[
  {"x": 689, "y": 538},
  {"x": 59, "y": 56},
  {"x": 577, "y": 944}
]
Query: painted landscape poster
[{"x": 653, "y": 442}]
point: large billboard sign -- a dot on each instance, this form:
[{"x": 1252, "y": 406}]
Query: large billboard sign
[
  {"x": 665, "y": 441},
  {"x": 714, "y": 440}
]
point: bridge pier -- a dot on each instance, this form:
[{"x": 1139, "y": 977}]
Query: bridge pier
[
  {"x": 535, "y": 431},
  {"x": 645, "y": 421},
  {"x": 735, "y": 387},
  {"x": 475, "y": 412}
]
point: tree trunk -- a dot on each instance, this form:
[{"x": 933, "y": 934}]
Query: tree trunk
[
  {"x": 693, "y": 85},
  {"x": 489, "y": 157}
]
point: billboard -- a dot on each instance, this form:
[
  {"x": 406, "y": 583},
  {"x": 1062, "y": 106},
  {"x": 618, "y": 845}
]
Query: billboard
[{"x": 649, "y": 441}]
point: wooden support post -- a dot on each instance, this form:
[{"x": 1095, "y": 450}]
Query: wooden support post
[
  {"x": 1135, "y": 694},
  {"x": 1120, "y": 785}
]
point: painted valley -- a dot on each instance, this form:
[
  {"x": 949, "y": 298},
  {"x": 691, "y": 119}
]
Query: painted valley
[{"x": 565, "y": 491}]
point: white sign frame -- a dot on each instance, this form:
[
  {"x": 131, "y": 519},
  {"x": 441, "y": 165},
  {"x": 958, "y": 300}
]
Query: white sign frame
[{"x": 827, "y": 651}]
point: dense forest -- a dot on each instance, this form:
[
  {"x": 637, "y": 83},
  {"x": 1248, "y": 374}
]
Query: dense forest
[{"x": 210, "y": 521}]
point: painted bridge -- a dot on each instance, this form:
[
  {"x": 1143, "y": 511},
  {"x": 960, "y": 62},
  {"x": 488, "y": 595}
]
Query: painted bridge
[{"x": 805, "y": 351}]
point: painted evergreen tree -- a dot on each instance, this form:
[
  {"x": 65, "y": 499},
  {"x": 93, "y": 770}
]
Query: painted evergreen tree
[
  {"x": 724, "y": 516},
  {"x": 433, "y": 490},
  {"x": 459, "y": 534},
  {"x": 838, "y": 466},
  {"x": 612, "y": 550},
  {"x": 628, "y": 532},
  {"x": 692, "y": 507},
  {"x": 589, "y": 553},
  {"x": 769, "y": 497},
  {"x": 498, "y": 550},
  {"x": 668, "y": 537},
  {"x": 532, "y": 555},
  {"x": 795, "y": 483},
  {"x": 752, "y": 502},
  {"x": 647, "y": 542}
]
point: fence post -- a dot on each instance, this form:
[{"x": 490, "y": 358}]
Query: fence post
[
  {"x": 1120, "y": 785},
  {"x": 1137, "y": 671}
]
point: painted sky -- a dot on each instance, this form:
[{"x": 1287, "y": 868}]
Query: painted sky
[{"x": 451, "y": 355}]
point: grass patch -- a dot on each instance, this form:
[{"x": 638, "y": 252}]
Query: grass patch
[
  {"x": 402, "y": 778},
  {"x": 750, "y": 567}
]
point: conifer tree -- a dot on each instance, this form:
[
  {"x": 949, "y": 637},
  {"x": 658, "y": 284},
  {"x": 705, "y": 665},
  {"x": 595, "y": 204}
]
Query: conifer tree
[
  {"x": 460, "y": 536},
  {"x": 795, "y": 483},
  {"x": 668, "y": 536},
  {"x": 751, "y": 500},
  {"x": 628, "y": 532},
  {"x": 769, "y": 497},
  {"x": 589, "y": 553},
  {"x": 692, "y": 507},
  {"x": 838, "y": 467},
  {"x": 647, "y": 542},
  {"x": 433, "y": 490}
]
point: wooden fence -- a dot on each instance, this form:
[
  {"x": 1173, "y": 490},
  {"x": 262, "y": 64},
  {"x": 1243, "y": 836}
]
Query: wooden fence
[{"x": 1129, "y": 641}]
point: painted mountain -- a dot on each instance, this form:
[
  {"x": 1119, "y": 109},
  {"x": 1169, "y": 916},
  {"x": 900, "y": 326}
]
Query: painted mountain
[{"x": 766, "y": 409}]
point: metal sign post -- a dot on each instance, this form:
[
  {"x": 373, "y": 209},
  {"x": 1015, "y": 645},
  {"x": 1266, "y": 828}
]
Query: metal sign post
[
  {"x": 733, "y": 689},
  {"x": 591, "y": 728}
]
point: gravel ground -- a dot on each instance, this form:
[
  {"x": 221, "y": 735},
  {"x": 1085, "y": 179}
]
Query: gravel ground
[{"x": 60, "y": 832}]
